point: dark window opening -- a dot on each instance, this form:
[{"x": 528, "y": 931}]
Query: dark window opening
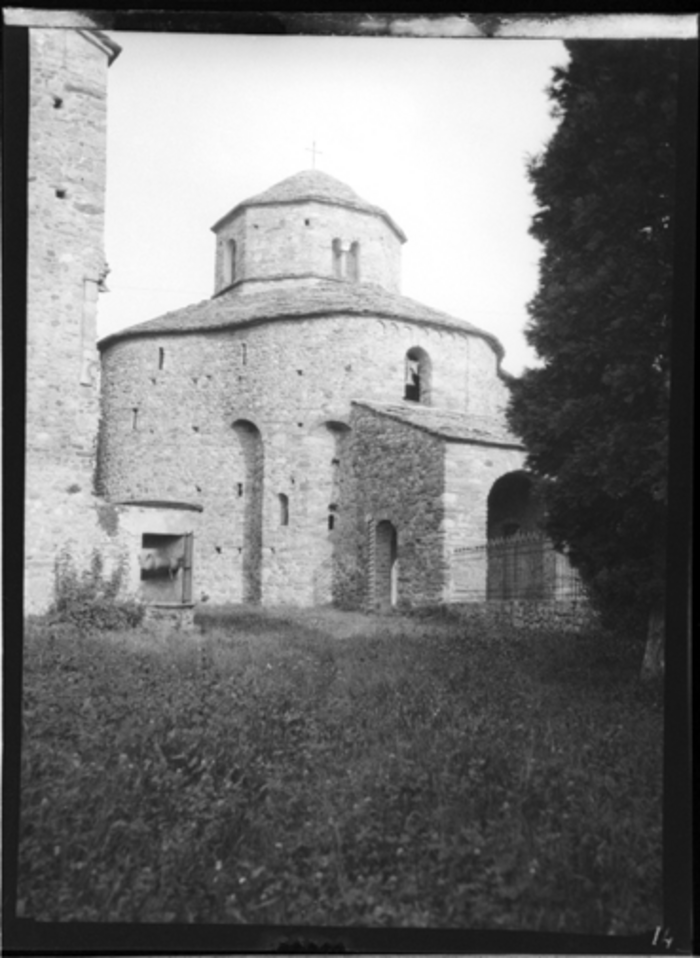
[
  {"x": 300, "y": 372},
  {"x": 134, "y": 419},
  {"x": 284, "y": 509},
  {"x": 244, "y": 353},
  {"x": 240, "y": 489},
  {"x": 307, "y": 222},
  {"x": 195, "y": 428},
  {"x": 331, "y": 521},
  {"x": 57, "y": 102},
  {"x": 417, "y": 379},
  {"x": 61, "y": 194},
  {"x": 166, "y": 568}
]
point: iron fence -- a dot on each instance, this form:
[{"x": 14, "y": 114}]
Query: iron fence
[{"x": 522, "y": 566}]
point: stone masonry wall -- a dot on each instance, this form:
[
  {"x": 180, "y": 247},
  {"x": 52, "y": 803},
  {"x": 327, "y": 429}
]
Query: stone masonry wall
[
  {"x": 296, "y": 240},
  {"x": 564, "y": 616},
  {"x": 399, "y": 478},
  {"x": 169, "y": 403},
  {"x": 487, "y": 393},
  {"x": 470, "y": 472},
  {"x": 68, "y": 76}
]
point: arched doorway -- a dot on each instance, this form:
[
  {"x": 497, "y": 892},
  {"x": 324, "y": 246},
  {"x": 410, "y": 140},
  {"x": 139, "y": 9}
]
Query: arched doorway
[
  {"x": 515, "y": 548},
  {"x": 386, "y": 566},
  {"x": 249, "y": 489}
]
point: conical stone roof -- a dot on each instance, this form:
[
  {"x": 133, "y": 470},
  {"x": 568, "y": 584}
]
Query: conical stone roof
[
  {"x": 318, "y": 300},
  {"x": 312, "y": 185}
]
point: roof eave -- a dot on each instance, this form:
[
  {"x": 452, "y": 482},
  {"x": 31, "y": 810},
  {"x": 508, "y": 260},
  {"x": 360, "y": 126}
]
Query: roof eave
[
  {"x": 105, "y": 43},
  {"x": 436, "y": 433},
  {"x": 250, "y": 204}
]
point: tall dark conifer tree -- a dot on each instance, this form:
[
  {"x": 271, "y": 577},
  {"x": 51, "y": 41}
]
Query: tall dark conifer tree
[{"x": 594, "y": 416}]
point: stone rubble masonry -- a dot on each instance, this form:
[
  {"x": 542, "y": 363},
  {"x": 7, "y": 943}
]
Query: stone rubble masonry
[
  {"x": 169, "y": 406},
  {"x": 562, "y": 615},
  {"x": 66, "y": 169},
  {"x": 470, "y": 472},
  {"x": 399, "y": 474},
  {"x": 249, "y": 426},
  {"x": 295, "y": 240}
]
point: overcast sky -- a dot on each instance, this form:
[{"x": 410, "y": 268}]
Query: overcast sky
[{"x": 435, "y": 131}]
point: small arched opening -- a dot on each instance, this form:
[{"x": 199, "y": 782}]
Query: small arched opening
[
  {"x": 418, "y": 376},
  {"x": 385, "y": 566},
  {"x": 284, "y": 509}
]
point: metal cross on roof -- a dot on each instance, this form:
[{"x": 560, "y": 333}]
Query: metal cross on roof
[{"x": 313, "y": 151}]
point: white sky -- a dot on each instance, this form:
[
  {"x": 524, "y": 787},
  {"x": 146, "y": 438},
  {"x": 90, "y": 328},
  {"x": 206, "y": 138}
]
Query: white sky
[{"x": 435, "y": 131}]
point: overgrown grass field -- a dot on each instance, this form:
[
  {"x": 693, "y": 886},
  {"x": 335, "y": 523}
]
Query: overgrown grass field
[{"x": 332, "y": 768}]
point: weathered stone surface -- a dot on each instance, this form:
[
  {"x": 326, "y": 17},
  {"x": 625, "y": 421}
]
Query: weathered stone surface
[
  {"x": 271, "y": 423},
  {"x": 563, "y": 616},
  {"x": 65, "y": 257}
]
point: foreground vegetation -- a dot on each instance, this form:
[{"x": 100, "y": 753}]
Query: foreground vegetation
[{"x": 333, "y": 768}]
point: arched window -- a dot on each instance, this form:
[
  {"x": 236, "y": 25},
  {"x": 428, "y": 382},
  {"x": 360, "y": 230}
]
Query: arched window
[
  {"x": 346, "y": 260},
  {"x": 418, "y": 376}
]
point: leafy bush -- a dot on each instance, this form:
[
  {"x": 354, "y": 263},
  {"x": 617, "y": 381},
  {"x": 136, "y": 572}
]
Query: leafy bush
[{"x": 89, "y": 600}]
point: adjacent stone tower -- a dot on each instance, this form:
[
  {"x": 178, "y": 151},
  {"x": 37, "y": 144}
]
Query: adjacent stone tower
[{"x": 65, "y": 263}]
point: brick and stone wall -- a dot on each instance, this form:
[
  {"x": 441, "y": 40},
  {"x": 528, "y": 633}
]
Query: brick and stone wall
[
  {"x": 399, "y": 479},
  {"x": 487, "y": 393},
  {"x": 169, "y": 403},
  {"x": 253, "y": 425},
  {"x": 470, "y": 472},
  {"x": 68, "y": 76},
  {"x": 296, "y": 240},
  {"x": 562, "y": 616}
]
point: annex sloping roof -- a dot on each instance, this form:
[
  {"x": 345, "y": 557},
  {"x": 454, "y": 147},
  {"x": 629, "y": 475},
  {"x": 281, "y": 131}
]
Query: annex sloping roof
[
  {"x": 448, "y": 424},
  {"x": 312, "y": 185},
  {"x": 323, "y": 298}
]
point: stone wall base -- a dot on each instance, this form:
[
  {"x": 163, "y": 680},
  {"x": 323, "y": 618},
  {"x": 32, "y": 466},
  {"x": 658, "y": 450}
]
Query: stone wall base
[
  {"x": 169, "y": 618},
  {"x": 565, "y": 615}
]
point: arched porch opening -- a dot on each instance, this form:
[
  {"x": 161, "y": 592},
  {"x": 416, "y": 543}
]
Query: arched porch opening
[{"x": 516, "y": 543}]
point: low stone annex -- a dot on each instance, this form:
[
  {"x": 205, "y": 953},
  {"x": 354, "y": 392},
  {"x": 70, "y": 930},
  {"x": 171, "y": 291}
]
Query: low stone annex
[{"x": 307, "y": 435}]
